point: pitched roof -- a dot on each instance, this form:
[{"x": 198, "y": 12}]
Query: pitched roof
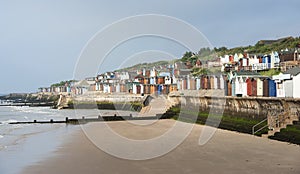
[
  {"x": 294, "y": 71},
  {"x": 82, "y": 83},
  {"x": 247, "y": 73}
]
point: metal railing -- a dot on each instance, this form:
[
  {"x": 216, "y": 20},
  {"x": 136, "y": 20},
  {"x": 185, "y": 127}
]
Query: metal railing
[{"x": 255, "y": 131}]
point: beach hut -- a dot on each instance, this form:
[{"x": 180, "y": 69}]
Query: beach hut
[
  {"x": 152, "y": 80},
  {"x": 259, "y": 85},
  {"x": 138, "y": 89},
  {"x": 147, "y": 89},
  {"x": 229, "y": 89},
  {"x": 266, "y": 87},
  {"x": 272, "y": 88},
  {"x": 254, "y": 87},
  {"x": 202, "y": 86},
  {"x": 159, "y": 89},
  {"x": 198, "y": 83},
  {"x": 153, "y": 89},
  {"x": 173, "y": 88},
  {"x": 166, "y": 89},
  {"x": 192, "y": 84},
  {"x": 208, "y": 82},
  {"x": 179, "y": 84},
  {"x": 146, "y": 80},
  {"x": 212, "y": 82},
  {"x": 184, "y": 84},
  {"x": 147, "y": 73},
  {"x": 222, "y": 82},
  {"x": 291, "y": 82},
  {"x": 217, "y": 82},
  {"x": 233, "y": 88},
  {"x": 216, "y": 85},
  {"x": 225, "y": 89},
  {"x": 239, "y": 86},
  {"x": 168, "y": 80},
  {"x": 188, "y": 83},
  {"x": 161, "y": 80},
  {"x": 249, "y": 87}
]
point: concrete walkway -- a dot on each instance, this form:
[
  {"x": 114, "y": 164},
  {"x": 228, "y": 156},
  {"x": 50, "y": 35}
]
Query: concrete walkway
[{"x": 157, "y": 106}]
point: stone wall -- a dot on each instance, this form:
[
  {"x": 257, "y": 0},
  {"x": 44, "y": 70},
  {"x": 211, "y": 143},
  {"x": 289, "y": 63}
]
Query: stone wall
[{"x": 253, "y": 107}]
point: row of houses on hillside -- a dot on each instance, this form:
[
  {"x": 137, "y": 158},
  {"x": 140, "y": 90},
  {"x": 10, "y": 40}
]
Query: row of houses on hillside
[
  {"x": 248, "y": 62},
  {"x": 288, "y": 83},
  {"x": 249, "y": 84},
  {"x": 252, "y": 84},
  {"x": 239, "y": 79}
]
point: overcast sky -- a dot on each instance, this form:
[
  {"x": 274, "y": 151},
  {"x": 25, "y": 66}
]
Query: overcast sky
[{"x": 41, "y": 41}]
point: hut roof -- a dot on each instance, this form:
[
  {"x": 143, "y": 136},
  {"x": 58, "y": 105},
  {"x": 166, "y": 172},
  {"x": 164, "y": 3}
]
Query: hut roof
[{"x": 294, "y": 71}]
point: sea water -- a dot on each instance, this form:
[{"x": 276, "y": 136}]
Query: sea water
[
  {"x": 22, "y": 145},
  {"x": 25, "y": 144}
]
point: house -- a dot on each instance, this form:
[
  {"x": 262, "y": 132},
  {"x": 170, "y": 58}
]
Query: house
[
  {"x": 275, "y": 60},
  {"x": 135, "y": 88},
  {"x": 81, "y": 87},
  {"x": 282, "y": 81},
  {"x": 288, "y": 83},
  {"x": 243, "y": 83}
]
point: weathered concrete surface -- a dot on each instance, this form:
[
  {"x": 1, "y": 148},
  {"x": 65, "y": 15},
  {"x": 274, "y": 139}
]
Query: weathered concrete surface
[
  {"x": 96, "y": 96},
  {"x": 255, "y": 107},
  {"x": 157, "y": 106}
]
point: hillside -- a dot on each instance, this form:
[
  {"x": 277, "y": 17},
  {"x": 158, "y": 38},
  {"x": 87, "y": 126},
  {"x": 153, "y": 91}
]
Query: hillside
[
  {"x": 263, "y": 46},
  {"x": 206, "y": 54},
  {"x": 147, "y": 65}
]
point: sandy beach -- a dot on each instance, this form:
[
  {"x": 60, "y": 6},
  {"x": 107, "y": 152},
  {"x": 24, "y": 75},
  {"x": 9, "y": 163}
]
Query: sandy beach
[{"x": 227, "y": 152}]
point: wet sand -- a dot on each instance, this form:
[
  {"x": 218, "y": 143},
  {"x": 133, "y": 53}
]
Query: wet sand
[{"x": 227, "y": 152}]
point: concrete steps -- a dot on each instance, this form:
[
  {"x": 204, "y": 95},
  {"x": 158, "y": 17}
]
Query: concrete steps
[
  {"x": 281, "y": 123},
  {"x": 157, "y": 106}
]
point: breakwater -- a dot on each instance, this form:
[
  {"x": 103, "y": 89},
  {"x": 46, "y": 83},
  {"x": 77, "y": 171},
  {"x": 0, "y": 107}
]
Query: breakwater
[{"x": 84, "y": 120}]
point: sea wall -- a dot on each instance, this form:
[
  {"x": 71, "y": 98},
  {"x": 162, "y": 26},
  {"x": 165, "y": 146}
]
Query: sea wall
[
  {"x": 93, "y": 100},
  {"x": 31, "y": 97},
  {"x": 252, "y": 107}
]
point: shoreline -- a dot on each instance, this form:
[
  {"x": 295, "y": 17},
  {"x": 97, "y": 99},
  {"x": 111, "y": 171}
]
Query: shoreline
[
  {"x": 33, "y": 147},
  {"x": 226, "y": 152}
]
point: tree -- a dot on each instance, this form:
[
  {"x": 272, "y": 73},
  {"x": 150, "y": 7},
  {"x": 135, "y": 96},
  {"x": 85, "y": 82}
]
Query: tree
[
  {"x": 186, "y": 56},
  {"x": 200, "y": 71}
]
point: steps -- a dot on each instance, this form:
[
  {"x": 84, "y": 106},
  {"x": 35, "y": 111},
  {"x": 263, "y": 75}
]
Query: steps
[
  {"x": 158, "y": 105},
  {"x": 280, "y": 121}
]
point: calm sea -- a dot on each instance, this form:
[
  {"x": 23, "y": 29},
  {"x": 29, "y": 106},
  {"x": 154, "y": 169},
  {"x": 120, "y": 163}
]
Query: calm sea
[
  {"x": 25, "y": 144},
  {"x": 22, "y": 145}
]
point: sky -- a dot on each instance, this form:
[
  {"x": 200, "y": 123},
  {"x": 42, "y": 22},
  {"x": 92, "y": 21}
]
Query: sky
[{"x": 41, "y": 42}]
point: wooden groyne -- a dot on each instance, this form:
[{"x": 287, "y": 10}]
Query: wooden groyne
[{"x": 84, "y": 120}]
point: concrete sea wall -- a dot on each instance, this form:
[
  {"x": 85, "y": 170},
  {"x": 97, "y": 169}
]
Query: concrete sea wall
[{"x": 252, "y": 107}]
